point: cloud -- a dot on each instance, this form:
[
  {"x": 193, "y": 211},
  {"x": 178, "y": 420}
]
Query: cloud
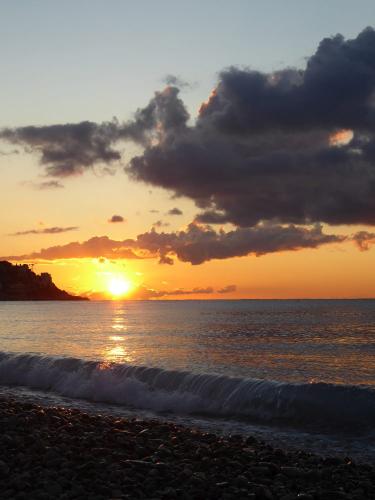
[
  {"x": 46, "y": 230},
  {"x": 160, "y": 223},
  {"x": 293, "y": 146},
  {"x": 364, "y": 240},
  {"x": 176, "y": 81},
  {"x": 43, "y": 185},
  {"x": 144, "y": 293},
  {"x": 164, "y": 115},
  {"x": 174, "y": 211},
  {"x": 68, "y": 149},
  {"x": 196, "y": 244},
  {"x": 227, "y": 289},
  {"x": 116, "y": 218},
  {"x": 96, "y": 247},
  {"x": 48, "y": 185}
]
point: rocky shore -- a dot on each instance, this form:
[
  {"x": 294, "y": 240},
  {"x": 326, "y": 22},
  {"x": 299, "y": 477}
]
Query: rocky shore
[
  {"x": 50, "y": 453},
  {"x": 19, "y": 282}
]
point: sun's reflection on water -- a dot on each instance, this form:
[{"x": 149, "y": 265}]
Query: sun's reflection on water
[
  {"x": 117, "y": 354},
  {"x": 116, "y": 351},
  {"x": 118, "y": 324}
]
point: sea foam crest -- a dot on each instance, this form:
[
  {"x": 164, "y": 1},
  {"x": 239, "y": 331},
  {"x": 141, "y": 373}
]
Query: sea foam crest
[{"x": 319, "y": 404}]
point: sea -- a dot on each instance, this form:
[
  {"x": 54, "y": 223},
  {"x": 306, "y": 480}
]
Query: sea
[{"x": 298, "y": 374}]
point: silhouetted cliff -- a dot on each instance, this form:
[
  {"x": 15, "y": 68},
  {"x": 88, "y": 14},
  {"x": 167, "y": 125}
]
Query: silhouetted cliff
[{"x": 19, "y": 282}]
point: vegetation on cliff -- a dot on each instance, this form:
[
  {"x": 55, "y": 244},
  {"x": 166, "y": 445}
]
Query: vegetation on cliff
[{"x": 19, "y": 282}]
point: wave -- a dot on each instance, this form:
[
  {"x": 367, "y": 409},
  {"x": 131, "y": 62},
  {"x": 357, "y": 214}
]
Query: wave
[{"x": 320, "y": 405}]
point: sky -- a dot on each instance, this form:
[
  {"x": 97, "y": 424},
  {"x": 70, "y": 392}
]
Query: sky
[{"x": 180, "y": 150}]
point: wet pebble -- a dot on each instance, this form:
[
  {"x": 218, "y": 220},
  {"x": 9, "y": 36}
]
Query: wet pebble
[{"x": 51, "y": 453}]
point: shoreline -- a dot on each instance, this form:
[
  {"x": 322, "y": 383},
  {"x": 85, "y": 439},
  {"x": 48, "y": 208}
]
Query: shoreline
[{"x": 56, "y": 452}]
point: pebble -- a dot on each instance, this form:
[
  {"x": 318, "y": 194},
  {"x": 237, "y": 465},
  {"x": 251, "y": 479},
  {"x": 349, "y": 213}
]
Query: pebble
[{"x": 52, "y": 453}]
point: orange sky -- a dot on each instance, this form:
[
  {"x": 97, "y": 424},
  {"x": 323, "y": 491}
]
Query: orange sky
[
  {"x": 275, "y": 172},
  {"x": 335, "y": 270}
]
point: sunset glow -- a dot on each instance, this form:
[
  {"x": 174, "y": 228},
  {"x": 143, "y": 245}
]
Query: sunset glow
[
  {"x": 187, "y": 249},
  {"x": 119, "y": 286},
  {"x": 248, "y": 180}
]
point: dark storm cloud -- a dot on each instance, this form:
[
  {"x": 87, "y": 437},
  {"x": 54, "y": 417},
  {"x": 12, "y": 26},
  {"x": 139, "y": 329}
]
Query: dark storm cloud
[
  {"x": 295, "y": 146},
  {"x": 334, "y": 91},
  {"x": 68, "y": 149},
  {"x": 116, "y": 218},
  {"x": 174, "y": 211},
  {"x": 46, "y": 230},
  {"x": 197, "y": 244},
  {"x": 227, "y": 289}
]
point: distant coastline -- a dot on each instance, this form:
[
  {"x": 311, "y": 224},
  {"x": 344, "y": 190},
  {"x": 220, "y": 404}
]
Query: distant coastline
[{"x": 19, "y": 282}]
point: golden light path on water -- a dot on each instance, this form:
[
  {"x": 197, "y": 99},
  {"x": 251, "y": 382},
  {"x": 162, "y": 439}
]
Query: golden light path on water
[{"x": 117, "y": 350}]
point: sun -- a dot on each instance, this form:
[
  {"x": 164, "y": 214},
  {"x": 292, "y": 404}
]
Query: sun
[{"x": 119, "y": 286}]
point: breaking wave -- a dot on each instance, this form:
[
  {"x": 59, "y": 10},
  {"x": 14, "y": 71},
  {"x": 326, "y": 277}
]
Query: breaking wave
[{"x": 326, "y": 406}]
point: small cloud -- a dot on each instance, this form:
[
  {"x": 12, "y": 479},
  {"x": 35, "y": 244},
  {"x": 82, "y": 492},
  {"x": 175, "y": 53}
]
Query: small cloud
[
  {"x": 176, "y": 81},
  {"x": 174, "y": 211},
  {"x": 153, "y": 211},
  {"x": 227, "y": 289},
  {"x": 48, "y": 185},
  {"x": 46, "y": 230},
  {"x": 364, "y": 240},
  {"x": 116, "y": 218},
  {"x": 160, "y": 223},
  {"x": 44, "y": 185},
  {"x": 146, "y": 293},
  {"x": 164, "y": 259}
]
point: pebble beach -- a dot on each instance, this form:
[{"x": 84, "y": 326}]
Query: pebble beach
[{"x": 51, "y": 452}]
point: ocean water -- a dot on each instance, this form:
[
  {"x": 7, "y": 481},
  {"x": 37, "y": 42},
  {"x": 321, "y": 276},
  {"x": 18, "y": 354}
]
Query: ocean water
[{"x": 296, "y": 372}]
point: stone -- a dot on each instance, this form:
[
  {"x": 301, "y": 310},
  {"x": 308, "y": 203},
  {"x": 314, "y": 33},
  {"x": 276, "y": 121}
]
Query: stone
[{"x": 4, "y": 469}]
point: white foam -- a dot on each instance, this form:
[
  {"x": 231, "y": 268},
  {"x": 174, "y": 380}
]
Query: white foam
[{"x": 191, "y": 393}]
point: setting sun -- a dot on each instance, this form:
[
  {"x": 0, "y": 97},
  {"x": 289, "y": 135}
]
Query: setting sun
[{"x": 119, "y": 286}]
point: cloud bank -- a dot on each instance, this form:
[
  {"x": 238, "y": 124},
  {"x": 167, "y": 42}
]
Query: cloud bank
[{"x": 196, "y": 245}]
